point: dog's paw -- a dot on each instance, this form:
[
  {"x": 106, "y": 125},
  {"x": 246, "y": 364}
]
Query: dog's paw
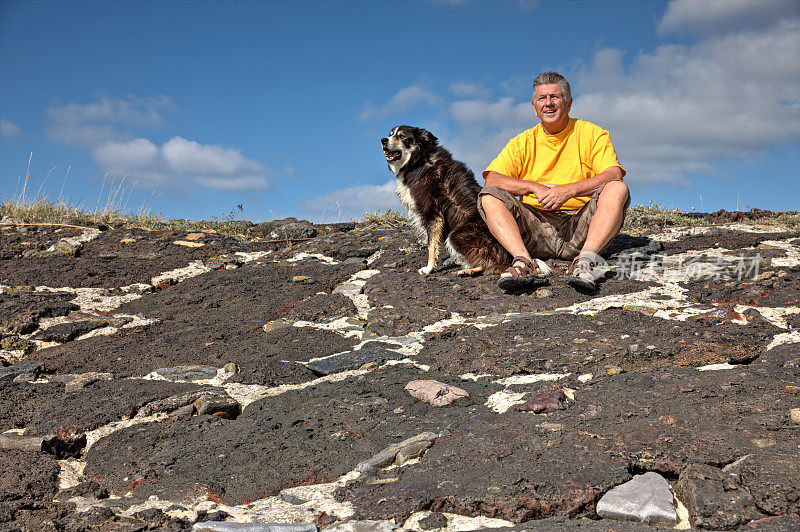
[{"x": 425, "y": 270}]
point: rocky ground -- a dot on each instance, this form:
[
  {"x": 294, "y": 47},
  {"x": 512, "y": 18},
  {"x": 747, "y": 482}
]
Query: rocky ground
[{"x": 308, "y": 375}]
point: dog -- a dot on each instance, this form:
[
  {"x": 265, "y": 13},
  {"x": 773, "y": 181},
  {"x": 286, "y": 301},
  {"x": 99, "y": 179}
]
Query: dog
[{"x": 441, "y": 196}]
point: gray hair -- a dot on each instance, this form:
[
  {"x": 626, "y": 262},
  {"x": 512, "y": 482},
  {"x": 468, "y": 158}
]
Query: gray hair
[{"x": 550, "y": 78}]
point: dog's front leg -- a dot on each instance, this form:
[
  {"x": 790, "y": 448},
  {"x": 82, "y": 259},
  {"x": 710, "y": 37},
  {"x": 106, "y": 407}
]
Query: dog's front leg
[{"x": 435, "y": 231}]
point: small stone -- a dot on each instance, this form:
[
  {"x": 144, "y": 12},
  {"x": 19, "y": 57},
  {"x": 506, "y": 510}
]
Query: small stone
[
  {"x": 645, "y": 499},
  {"x": 794, "y": 415},
  {"x": 350, "y": 360},
  {"x": 186, "y": 373},
  {"x": 432, "y": 521},
  {"x": 291, "y": 499},
  {"x": 549, "y": 399},
  {"x": 26, "y": 366},
  {"x": 417, "y": 444},
  {"x": 542, "y": 293},
  {"x": 188, "y": 244},
  {"x": 434, "y": 392},
  {"x": 194, "y": 236},
  {"x": 127, "y": 241},
  {"x": 302, "y": 279},
  {"x": 614, "y": 370},
  {"x": 763, "y": 443},
  {"x": 10, "y": 440},
  {"x": 78, "y": 382},
  {"x": 348, "y": 289},
  {"x": 399, "y": 410},
  {"x": 217, "y": 404}
]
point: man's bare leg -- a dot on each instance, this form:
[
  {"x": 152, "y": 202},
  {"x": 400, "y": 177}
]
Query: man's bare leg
[
  {"x": 607, "y": 219},
  {"x": 504, "y": 227}
]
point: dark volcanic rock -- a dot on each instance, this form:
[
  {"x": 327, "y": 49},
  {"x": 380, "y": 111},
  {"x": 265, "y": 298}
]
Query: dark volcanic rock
[
  {"x": 714, "y": 499},
  {"x": 119, "y": 258},
  {"x": 501, "y": 466},
  {"x": 590, "y": 344},
  {"x": 323, "y": 307},
  {"x": 94, "y": 406},
  {"x": 20, "y": 310},
  {"x": 304, "y": 436},
  {"x": 772, "y": 474},
  {"x": 212, "y": 319},
  {"x": 28, "y": 482},
  {"x": 390, "y": 321}
]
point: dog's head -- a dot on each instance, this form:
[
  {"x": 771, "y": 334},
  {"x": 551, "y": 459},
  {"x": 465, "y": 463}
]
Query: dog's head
[{"x": 406, "y": 146}]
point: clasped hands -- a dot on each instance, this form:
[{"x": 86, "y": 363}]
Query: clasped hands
[{"x": 551, "y": 196}]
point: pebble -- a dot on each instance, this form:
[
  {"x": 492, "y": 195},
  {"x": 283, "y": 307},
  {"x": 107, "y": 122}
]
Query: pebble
[
  {"x": 542, "y": 293},
  {"x": 399, "y": 452},
  {"x": 303, "y": 279},
  {"x": 26, "y": 366},
  {"x": 188, "y": 244},
  {"x": 794, "y": 415},
  {"x": 645, "y": 499},
  {"x": 351, "y": 360},
  {"x": 434, "y": 392}
]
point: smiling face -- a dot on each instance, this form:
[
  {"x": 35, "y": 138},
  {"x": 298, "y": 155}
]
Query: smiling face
[{"x": 551, "y": 107}]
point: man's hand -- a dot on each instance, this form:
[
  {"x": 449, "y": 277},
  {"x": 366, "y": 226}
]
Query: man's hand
[{"x": 552, "y": 197}]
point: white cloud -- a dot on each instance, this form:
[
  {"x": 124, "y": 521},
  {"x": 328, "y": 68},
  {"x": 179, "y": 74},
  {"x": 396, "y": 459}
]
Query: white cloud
[
  {"x": 469, "y": 90},
  {"x": 181, "y": 160},
  {"x": 186, "y": 156},
  {"x": 352, "y": 202},
  {"x": 96, "y": 122},
  {"x": 9, "y": 130},
  {"x": 724, "y": 16},
  {"x": 404, "y": 99}
]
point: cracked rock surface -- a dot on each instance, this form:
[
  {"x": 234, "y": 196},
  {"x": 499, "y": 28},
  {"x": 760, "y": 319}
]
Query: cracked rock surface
[{"x": 157, "y": 379}]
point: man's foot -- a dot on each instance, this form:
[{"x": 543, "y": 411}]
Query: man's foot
[
  {"x": 581, "y": 273},
  {"x": 524, "y": 273}
]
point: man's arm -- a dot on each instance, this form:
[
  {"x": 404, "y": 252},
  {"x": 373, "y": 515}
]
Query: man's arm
[
  {"x": 518, "y": 187},
  {"x": 555, "y": 195}
]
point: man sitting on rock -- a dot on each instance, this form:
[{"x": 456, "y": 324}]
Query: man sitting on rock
[{"x": 573, "y": 197}]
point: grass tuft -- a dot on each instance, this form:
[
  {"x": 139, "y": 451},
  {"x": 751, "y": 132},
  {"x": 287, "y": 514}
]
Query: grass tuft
[{"x": 387, "y": 218}]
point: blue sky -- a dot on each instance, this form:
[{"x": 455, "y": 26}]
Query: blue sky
[{"x": 279, "y": 106}]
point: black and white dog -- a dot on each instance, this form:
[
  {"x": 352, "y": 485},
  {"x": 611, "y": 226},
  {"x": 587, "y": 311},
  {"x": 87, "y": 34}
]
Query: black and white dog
[{"x": 441, "y": 196}]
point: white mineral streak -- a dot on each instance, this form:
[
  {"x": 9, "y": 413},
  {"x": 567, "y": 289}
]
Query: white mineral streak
[
  {"x": 318, "y": 498},
  {"x": 247, "y": 393},
  {"x": 683, "y": 515},
  {"x": 352, "y": 289},
  {"x": 456, "y": 522},
  {"x": 717, "y": 367},
  {"x": 71, "y": 473},
  {"x": 88, "y": 235},
  {"x": 792, "y": 250},
  {"x": 180, "y": 274},
  {"x": 305, "y": 256},
  {"x": 503, "y": 400},
  {"x": 530, "y": 379},
  {"x": 658, "y": 297},
  {"x": 792, "y": 337},
  {"x": 474, "y": 377},
  {"x": 671, "y": 235}
]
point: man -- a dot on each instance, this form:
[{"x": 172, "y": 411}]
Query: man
[{"x": 573, "y": 198}]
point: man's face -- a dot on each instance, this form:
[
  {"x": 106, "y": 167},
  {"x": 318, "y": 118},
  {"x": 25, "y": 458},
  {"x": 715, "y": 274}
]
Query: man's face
[{"x": 551, "y": 107}]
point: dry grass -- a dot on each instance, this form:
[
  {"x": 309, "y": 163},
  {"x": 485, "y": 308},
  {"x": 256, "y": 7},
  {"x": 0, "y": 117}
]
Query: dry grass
[{"x": 387, "y": 218}]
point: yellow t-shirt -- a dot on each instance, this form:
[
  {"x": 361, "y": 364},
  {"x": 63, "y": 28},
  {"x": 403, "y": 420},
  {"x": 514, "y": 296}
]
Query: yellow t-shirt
[{"x": 580, "y": 151}]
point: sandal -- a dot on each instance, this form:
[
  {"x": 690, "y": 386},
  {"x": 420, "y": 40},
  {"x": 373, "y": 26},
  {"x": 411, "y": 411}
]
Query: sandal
[
  {"x": 530, "y": 274},
  {"x": 580, "y": 273}
]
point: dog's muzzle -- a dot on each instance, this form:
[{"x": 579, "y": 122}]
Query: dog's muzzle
[{"x": 390, "y": 154}]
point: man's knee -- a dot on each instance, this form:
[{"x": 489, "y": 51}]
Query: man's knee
[{"x": 615, "y": 192}]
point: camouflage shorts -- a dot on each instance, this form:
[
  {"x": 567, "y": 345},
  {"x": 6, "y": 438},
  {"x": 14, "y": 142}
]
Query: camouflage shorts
[{"x": 549, "y": 234}]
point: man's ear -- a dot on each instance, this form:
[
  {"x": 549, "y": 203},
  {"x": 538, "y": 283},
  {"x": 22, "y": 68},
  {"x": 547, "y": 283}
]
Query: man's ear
[{"x": 426, "y": 137}]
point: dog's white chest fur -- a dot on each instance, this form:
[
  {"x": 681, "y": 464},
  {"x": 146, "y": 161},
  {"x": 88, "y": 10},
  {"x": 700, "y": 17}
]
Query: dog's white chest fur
[{"x": 404, "y": 193}]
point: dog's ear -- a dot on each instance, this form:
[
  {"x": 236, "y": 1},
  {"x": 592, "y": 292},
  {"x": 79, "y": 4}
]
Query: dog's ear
[{"x": 428, "y": 138}]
